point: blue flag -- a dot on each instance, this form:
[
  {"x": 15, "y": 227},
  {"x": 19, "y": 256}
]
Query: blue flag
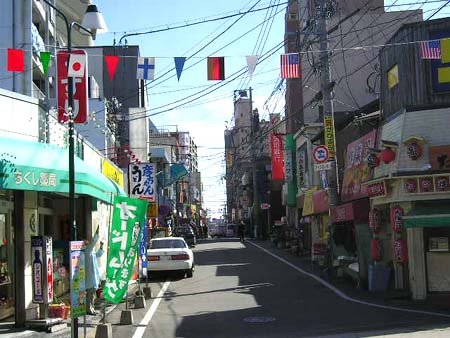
[{"x": 179, "y": 64}]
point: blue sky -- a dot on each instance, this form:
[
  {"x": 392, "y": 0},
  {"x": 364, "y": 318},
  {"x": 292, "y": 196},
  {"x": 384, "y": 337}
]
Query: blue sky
[{"x": 207, "y": 117}]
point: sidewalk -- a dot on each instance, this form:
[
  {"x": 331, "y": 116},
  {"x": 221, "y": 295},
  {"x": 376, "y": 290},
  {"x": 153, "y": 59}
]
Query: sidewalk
[
  {"x": 63, "y": 330},
  {"x": 438, "y": 303}
]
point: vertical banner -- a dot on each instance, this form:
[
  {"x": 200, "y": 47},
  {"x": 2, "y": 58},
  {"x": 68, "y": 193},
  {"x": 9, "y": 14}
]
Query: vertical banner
[
  {"x": 80, "y": 89},
  {"x": 77, "y": 279},
  {"x": 328, "y": 126},
  {"x": 276, "y": 154},
  {"x": 37, "y": 251},
  {"x": 143, "y": 250},
  {"x": 142, "y": 181},
  {"x": 290, "y": 170},
  {"x": 128, "y": 217},
  {"x": 49, "y": 269}
]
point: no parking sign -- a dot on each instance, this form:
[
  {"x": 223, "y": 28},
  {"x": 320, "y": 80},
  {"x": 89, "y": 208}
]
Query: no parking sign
[{"x": 321, "y": 154}]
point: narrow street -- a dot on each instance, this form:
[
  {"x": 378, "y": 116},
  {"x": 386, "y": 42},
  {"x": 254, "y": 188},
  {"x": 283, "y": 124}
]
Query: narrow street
[{"x": 239, "y": 290}]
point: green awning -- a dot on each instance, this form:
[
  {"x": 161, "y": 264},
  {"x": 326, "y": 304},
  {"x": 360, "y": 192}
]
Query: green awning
[
  {"x": 28, "y": 165},
  {"x": 430, "y": 216}
]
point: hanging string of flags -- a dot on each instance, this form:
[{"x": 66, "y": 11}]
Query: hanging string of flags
[{"x": 290, "y": 63}]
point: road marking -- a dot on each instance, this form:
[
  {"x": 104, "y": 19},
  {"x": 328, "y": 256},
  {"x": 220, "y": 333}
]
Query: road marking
[
  {"x": 148, "y": 316},
  {"x": 342, "y": 294}
]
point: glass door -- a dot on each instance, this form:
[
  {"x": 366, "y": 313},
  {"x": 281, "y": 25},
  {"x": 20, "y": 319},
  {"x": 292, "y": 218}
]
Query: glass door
[{"x": 6, "y": 268}]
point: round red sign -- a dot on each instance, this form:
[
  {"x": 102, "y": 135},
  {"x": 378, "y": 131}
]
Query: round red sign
[{"x": 321, "y": 154}]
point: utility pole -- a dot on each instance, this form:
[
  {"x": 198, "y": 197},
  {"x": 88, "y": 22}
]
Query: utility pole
[
  {"x": 327, "y": 98},
  {"x": 256, "y": 203}
]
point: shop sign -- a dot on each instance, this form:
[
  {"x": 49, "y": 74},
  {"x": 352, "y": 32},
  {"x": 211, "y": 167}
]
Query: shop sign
[
  {"x": 440, "y": 157},
  {"x": 288, "y": 165},
  {"x": 377, "y": 189},
  {"x": 308, "y": 204},
  {"x": 112, "y": 172},
  {"x": 400, "y": 251},
  {"x": 49, "y": 268},
  {"x": 301, "y": 168},
  {"x": 276, "y": 154},
  {"x": 143, "y": 252},
  {"x": 342, "y": 213},
  {"x": 77, "y": 278},
  {"x": 35, "y": 178},
  {"x": 328, "y": 125},
  {"x": 152, "y": 210},
  {"x": 143, "y": 181},
  {"x": 357, "y": 170},
  {"x": 37, "y": 244},
  {"x": 128, "y": 217},
  {"x": 320, "y": 201},
  {"x": 397, "y": 219},
  {"x": 80, "y": 89}
]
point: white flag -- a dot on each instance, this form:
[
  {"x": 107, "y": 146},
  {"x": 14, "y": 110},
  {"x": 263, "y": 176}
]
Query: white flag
[
  {"x": 146, "y": 68},
  {"x": 252, "y": 60},
  {"x": 77, "y": 65}
]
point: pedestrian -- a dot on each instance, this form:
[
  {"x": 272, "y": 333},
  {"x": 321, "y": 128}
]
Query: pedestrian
[
  {"x": 92, "y": 271},
  {"x": 241, "y": 231}
]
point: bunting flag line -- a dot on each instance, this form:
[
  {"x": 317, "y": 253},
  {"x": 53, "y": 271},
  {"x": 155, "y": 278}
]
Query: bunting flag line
[
  {"x": 16, "y": 60},
  {"x": 430, "y": 49},
  {"x": 111, "y": 65},
  {"x": 179, "y": 64},
  {"x": 77, "y": 65},
  {"x": 146, "y": 68},
  {"x": 216, "y": 68},
  {"x": 252, "y": 60},
  {"x": 290, "y": 66},
  {"x": 45, "y": 60}
]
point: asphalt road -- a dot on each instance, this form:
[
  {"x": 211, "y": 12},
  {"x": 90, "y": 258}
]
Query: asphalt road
[{"x": 239, "y": 290}]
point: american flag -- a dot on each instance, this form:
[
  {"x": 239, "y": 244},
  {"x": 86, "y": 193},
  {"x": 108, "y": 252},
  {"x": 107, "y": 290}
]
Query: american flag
[
  {"x": 290, "y": 65},
  {"x": 430, "y": 49}
]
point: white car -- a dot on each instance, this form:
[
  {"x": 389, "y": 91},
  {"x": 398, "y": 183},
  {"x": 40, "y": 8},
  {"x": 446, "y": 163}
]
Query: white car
[{"x": 170, "y": 254}]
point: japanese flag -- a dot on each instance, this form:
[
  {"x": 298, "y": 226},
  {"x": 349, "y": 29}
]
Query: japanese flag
[{"x": 77, "y": 64}]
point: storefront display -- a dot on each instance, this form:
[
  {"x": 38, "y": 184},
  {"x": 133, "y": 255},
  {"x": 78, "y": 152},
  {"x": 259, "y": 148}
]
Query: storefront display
[{"x": 6, "y": 266}]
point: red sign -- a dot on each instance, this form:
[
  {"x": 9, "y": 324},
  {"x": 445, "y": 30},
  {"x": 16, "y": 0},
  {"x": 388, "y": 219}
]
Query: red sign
[
  {"x": 377, "y": 189},
  {"x": 357, "y": 169},
  {"x": 265, "y": 206},
  {"x": 400, "y": 251},
  {"x": 80, "y": 90},
  {"x": 276, "y": 153},
  {"x": 320, "y": 201},
  {"x": 397, "y": 219},
  {"x": 342, "y": 213},
  {"x": 321, "y": 154}
]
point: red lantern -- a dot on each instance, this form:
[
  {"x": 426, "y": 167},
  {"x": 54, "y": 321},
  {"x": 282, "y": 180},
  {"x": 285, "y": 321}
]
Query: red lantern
[
  {"x": 375, "y": 249},
  {"x": 426, "y": 184},
  {"x": 410, "y": 185},
  {"x": 375, "y": 220},
  {"x": 373, "y": 160},
  {"x": 387, "y": 155},
  {"x": 400, "y": 251},
  {"x": 442, "y": 183},
  {"x": 397, "y": 219}
]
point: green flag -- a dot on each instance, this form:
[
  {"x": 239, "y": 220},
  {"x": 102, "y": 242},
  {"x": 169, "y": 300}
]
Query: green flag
[
  {"x": 45, "y": 61},
  {"x": 128, "y": 218}
]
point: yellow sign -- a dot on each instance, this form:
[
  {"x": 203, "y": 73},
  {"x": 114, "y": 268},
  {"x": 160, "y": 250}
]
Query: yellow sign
[
  {"x": 229, "y": 158},
  {"x": 444, "y": 74},
  {"x": 308, "y": 204},
  {"x": 152, "y": 210},
  {"x": 112, "y": 172},
  {"x": 445, "y": 50},
  {"x": 392, "y": 77},
  {"x": 328, "y": 126}
]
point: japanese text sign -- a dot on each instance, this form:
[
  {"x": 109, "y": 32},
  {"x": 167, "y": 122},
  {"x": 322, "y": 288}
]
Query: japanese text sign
[
  {"x": 276, "y": 154},
  {"x": 328, "y": 126},
  {"x": 143, "y": 181},
  {"x": 42, "y": 269},
  {"x": 80, "y": 89},
  {"x": 77, "y": 278},
  {"x": 357, "y": 170},
  {"x": 128, "y": 218}
]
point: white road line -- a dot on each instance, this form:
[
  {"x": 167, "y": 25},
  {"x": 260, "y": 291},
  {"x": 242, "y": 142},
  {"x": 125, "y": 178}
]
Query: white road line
[
  {"x": 342, "y": 294},
  {"x": 148, "y": 316}
]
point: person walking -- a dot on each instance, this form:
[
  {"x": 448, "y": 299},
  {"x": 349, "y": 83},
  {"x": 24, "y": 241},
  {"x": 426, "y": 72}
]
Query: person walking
[
  {"x": 92, "y": 271},
  {"x": 241, "y": 231}
]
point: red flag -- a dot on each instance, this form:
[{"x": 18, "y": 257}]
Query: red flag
[
  {"x": 216, "y": 68},
  {"x": 276, "y": 154},
  {"x": 111, "y": 63},
  {"x": 16, "y": 60}
]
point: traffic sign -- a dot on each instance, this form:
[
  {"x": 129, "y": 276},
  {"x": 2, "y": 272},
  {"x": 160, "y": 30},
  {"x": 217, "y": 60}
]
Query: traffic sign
[
  {"x": 322, "y": 166},
  {"x": 321, "y": 154},
  {"x": 265, "y": 206}
]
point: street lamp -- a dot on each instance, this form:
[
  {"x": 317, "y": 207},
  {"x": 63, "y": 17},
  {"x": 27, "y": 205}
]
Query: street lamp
[{"x": 93, "y": 20}]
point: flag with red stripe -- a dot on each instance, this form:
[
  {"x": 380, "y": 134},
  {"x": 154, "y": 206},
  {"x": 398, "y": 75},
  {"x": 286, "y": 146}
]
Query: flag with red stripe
[
  {"x": 216, "y": 68},
  {"x": 290, "y": 66}
]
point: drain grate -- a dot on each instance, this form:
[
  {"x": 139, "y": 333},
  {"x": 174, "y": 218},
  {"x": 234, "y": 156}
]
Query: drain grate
[{"x": 259, "y": 319}]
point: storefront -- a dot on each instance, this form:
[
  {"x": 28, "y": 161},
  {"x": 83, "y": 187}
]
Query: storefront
[{"x": 33, "y": 201}]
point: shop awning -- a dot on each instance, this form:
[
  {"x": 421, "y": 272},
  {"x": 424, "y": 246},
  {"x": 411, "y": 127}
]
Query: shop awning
[
  {"x": 426, "y": 217},
  {"x": 28, "y": 165}
]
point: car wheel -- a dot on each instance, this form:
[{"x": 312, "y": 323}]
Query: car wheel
[{"x": 190, "y": 272}]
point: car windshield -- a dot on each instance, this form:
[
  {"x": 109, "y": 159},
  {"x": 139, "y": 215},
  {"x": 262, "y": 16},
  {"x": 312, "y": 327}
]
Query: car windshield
[{"x": 167, "y": 244}]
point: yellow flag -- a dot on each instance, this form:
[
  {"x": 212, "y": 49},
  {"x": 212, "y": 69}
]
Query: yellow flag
[
  {"x": 445, "y": 50},
  {"x": 393, "y": 76}
]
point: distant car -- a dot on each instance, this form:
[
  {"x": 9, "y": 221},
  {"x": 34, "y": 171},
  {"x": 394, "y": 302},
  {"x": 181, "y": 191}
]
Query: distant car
[
  {"x": 187, "y": 233},
  {"x": 231, "y": 230},
  {"x": 170, "y": 254}
]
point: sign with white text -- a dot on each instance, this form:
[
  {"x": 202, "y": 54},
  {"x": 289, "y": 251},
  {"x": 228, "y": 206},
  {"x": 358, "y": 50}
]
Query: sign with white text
[
  {"x": 322, "y": 166},
  {"x": 143, "y": 181}
]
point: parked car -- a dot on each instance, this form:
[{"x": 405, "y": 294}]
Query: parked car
[
  {"x": 170, "y": 254},
  {"x": 231, "y": 230},
  {"x": 187, "y": 233}
]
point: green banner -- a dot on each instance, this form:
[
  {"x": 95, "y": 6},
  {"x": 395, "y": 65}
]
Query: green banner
[
  {"x": 289, "y": 169},
  {"x": 128, "y": 217}
]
